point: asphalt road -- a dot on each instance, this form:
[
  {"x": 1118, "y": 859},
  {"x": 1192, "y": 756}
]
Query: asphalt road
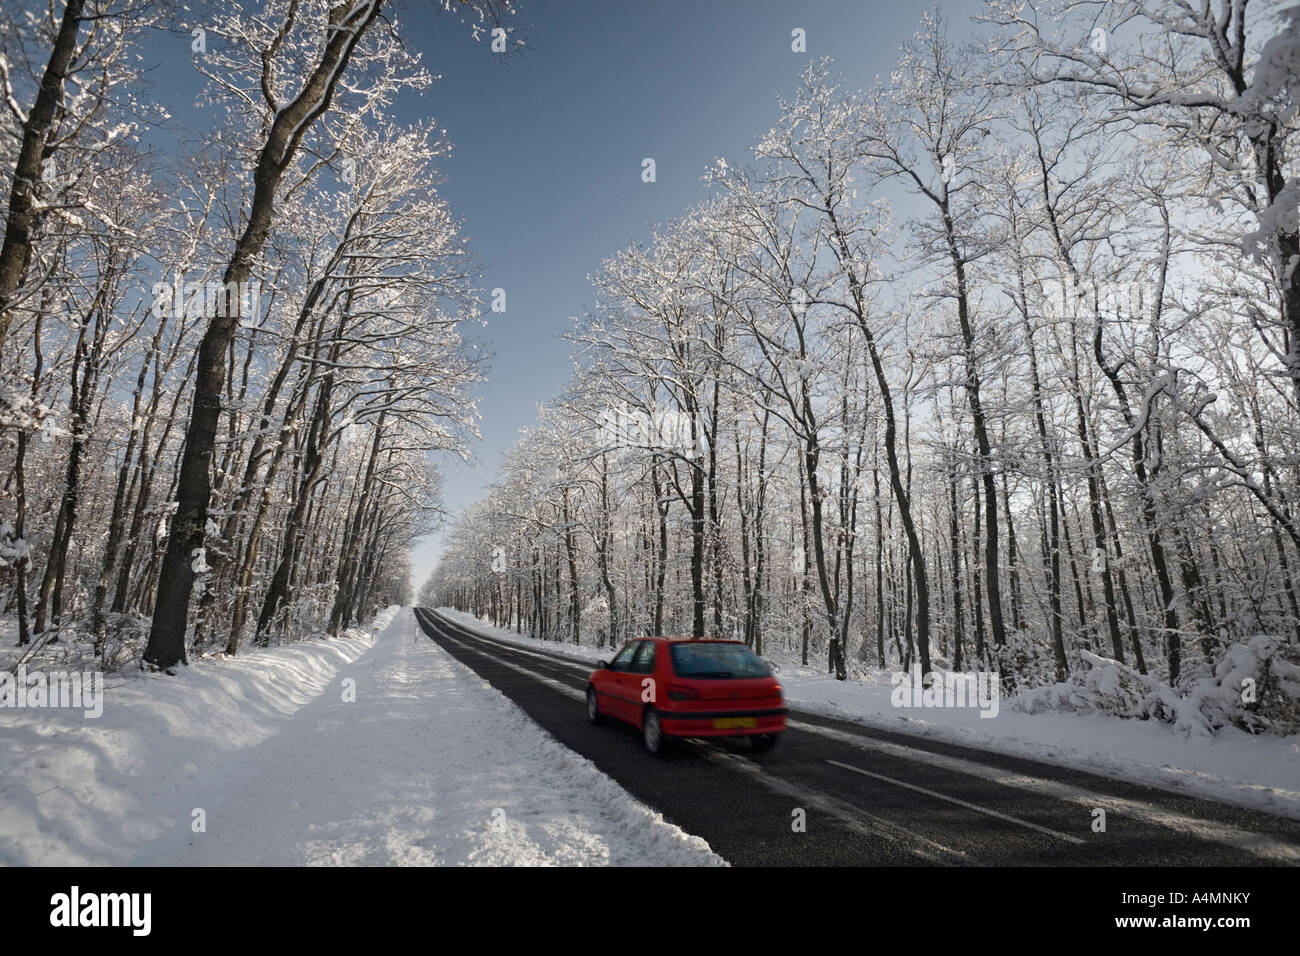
[{"x": 872, "y": 797}]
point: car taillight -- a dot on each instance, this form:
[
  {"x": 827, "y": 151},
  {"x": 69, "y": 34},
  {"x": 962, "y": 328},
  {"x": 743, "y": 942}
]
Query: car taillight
[{"x": 677, "y": 692}]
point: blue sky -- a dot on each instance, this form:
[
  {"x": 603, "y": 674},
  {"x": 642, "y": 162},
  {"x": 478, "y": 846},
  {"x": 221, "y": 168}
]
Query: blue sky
[
  {"x": 547, "y": 148},
  {"x": 546, "y": 165}
]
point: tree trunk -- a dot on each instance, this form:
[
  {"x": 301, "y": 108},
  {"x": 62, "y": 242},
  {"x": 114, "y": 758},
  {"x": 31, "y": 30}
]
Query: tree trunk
[{"x": 166, "y": 647}]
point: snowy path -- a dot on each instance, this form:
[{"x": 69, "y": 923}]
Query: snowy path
[{"x": 428, "y": 766}]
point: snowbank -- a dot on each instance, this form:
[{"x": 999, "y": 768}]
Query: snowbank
[
  {"x": 375, "y": 748},
  {"x": 77, "y": 791}
]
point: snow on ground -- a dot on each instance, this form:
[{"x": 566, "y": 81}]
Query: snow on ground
[
  {"x": 429, "y": 765},
  {"x": 77, "y": 791},
  {"x": 1260, "y": 772}
]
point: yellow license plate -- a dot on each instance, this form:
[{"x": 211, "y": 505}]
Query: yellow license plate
[{"x": 731, "y": 723}]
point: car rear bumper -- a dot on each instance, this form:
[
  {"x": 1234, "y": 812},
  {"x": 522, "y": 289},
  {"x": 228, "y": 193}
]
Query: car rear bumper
[{"x": 720, "y": 723}]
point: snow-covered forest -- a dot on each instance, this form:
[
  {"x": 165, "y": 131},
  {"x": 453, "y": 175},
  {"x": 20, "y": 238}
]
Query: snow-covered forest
[
  {"x": 994, "y": 364},
  {"x": 944, "y": 355},
  {"x": 225, "y": 365}
]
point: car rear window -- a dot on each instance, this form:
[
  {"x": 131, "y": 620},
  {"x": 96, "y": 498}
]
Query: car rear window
[{"x": 717, "y": 661}]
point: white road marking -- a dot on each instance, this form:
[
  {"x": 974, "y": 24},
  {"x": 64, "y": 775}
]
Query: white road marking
[
  {"x": 850, "y": 816},
  {"x": 961, "y": 803},
  {"x": 1248, "y": 841}
]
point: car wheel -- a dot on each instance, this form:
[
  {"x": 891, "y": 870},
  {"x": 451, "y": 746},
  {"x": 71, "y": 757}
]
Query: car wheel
[
  {"x": 593, "y": 709},
  {"x": 652, "y": 734},
  {"x": 761, "y": 743}
]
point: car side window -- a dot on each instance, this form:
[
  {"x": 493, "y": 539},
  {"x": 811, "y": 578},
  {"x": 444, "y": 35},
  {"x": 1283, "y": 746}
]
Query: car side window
[
  {"x": 623, "y": 658},
  {"x": 644, "y": 661}
]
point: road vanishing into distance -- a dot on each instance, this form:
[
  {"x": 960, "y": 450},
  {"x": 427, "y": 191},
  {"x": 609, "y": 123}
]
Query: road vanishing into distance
[{"x": 872, "y": 797}]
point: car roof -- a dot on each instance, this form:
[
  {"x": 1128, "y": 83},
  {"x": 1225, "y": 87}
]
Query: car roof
[{"x": 682, "y": 638}]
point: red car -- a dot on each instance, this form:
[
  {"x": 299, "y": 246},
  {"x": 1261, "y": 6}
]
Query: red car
[{"x": 671, "y": 687}]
